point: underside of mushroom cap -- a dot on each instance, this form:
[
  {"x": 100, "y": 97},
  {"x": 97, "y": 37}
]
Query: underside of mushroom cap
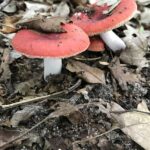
[
  {"x": 99, "y": 21},
  {"x": 56, "y": 45},
  {"x": 96, "y": 44}
]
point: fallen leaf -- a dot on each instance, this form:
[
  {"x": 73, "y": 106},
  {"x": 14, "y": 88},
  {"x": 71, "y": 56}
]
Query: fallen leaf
[
  {"x": 35, "y": 9},
  {"x": 11, "y": 7},
  {"x": 121, "y": 76},
  {"x": 88, "y": 73},
  {"x": 71, "y": 112},
  {"x": 5, "y": 73},
  {"x": 52, "y": 24},
  {"x": 134, "y": 123},
  {"x": 137, "y": 44},
  {"x": 62, "y": 10},
  {"x": 9, "y": 24},
  {"x": 7, "y": 135},
  {"x": 144, "y": 16},
  {"x": 24, "y": 114},
  {"x": 24, "y": 87}
]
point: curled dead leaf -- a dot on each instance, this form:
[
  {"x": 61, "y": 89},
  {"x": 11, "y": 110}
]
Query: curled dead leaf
[
  {"x": 52, "y": 24},
  {"x": 123, "y": 78},
  {"x": 88, "y": 73}
]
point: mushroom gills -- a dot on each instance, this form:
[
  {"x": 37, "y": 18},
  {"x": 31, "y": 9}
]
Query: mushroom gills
[
  {"x": 52, "y": 66},
  {"x": 114, "y": 42}
]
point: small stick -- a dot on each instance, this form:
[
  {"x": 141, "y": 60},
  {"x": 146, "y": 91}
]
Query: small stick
[
  {"x": 87, "y": 59},
  {"x": 23, "y": 134},
  {"x": 36, "y": 99},
  {"x": 94, "y": 137}
]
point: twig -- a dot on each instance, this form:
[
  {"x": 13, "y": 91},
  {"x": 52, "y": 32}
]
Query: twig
[
  {"x": 94, "y": 137},
  {"x": 87, "y": 59},
  {"x": 23, "y": 102},
  {"x": 112, "y": 129},
  {"x": 23, "y": 134}
]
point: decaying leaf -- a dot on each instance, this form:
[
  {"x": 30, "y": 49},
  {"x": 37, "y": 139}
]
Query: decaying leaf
[
  {"x": 137, "y": 44},
  {"x": 5, "y": 73},
  {"x": 24, "y": 114},
  {"x": 7, "y": 135},
  {"x": 24, "y": 87},
  {"x": 134, "y": 123},
  {"x": 52, "y": 24},
  {"x": 69, "y": 111},
  {"x": 119, "y": 74},
  {"x": 88, "y": 73}
]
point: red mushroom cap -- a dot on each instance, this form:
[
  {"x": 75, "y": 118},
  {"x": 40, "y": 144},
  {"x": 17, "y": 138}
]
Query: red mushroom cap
[
  {"x": 55, "y": 45},
  {"x": 96, "y": 44},
  {"x": 99, "y": 22}
]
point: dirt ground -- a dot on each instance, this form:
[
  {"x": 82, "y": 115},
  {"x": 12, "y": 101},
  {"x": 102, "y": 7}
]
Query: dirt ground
[{"x": 100, "y": 100}]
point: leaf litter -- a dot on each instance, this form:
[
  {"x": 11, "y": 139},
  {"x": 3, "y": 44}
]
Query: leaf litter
[
  {"x": 134, "y": 123},
  {"x": 77, "y": 114}
]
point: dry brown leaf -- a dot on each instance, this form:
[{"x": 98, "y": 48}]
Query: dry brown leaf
[
  {"x": 65, "y": 109},
  {"x": 123, "y": 78},
  {"x": 135, "y": 124},
  {"x": 52, "y": 24},
  {"x": 88, "y": 73},
  {"x": 9, "y": 24}
]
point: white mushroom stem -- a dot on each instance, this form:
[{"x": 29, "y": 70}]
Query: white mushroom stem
[
  {"x": 52, "y": 66},
  {"x": 114, "y": 42}
]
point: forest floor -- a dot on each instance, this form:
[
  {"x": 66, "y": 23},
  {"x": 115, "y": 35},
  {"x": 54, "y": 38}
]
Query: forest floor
[{"x": 101, "y": 100}]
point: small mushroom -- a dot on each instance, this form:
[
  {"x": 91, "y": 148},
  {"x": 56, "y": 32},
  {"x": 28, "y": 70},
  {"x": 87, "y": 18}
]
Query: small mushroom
[
  {"x": 99, "y": 22},
  {"x": 52, "y": 47}
]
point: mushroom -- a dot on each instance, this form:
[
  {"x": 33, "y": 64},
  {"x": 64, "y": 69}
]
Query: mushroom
[
  {"x": 100, "y": 22},
  {"x": 96, "y": 44},
  {"x": 52, "y": 47}
]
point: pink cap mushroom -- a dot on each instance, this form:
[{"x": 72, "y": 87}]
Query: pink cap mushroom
[
  {"x": 52, "y": 46},
  {"x": 100, "y": 22}
]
